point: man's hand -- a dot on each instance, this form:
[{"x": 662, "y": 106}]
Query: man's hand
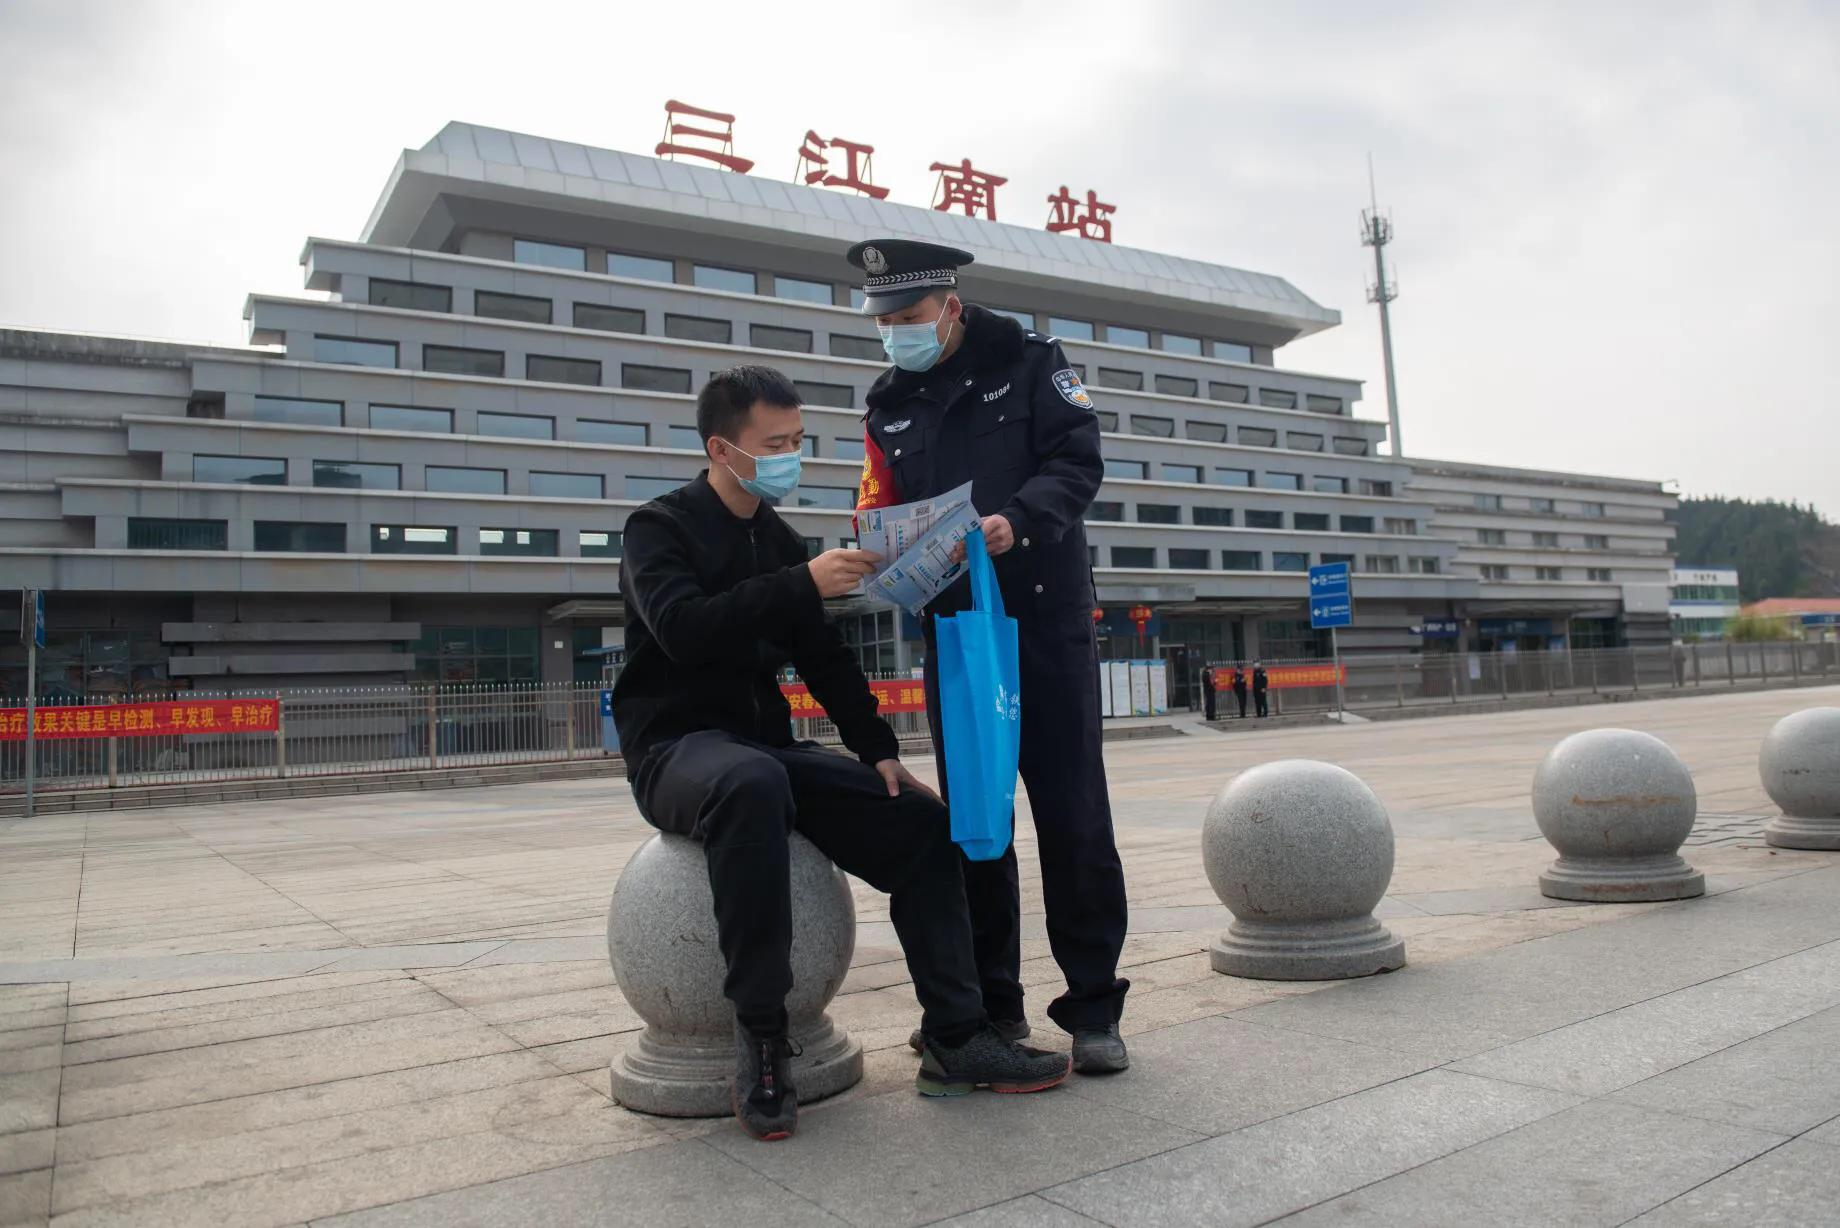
[
  {"x": 998, "y": 538},
  {"x": 837, "y": 572},
  {"x": 893, "y": 772}
]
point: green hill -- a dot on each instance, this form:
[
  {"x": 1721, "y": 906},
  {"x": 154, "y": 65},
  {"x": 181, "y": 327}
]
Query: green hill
[{"x": 1779, "y": 549}]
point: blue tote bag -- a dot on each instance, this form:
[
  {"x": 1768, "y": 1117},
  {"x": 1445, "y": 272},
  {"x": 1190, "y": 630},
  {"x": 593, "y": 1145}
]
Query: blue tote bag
[{"x": 980, "y": 707}]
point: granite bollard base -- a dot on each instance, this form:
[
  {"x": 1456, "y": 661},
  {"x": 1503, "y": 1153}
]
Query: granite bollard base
[
  {"x": 1300, "y": 852},
  {"x": 1800, "y": 767},
  {"x": 661, "y": 940},
  {"x": 1616, "y": 804}
]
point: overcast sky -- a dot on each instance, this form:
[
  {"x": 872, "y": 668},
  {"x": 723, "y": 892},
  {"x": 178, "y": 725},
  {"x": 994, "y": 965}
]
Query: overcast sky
[{"x": 1617, "y": 241}]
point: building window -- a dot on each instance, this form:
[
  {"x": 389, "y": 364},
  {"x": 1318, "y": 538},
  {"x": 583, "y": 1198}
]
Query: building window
[
  {"x": 698, "y": 328},
  {"x": 1161, "y": 428},
  {"x": 1108, "y": 421},
  {"x": 552, "y": 370},
  {"x": 352, "y": 351},
  {"x": 834, "y": 396},
  {"x": 1070, "y": 330},
  {"x": 1284, "y": 481},
  {"x": 609, "y": 319},
  {"x": 1217, "y": 517},
  {"x": 240, "y": 470},
  {"x": 1548, "y": 573},
  {"x": 1188, "y": 560},
  {"x": 169, "y": 533},
  {"x": 1129, "y": 381},
  {"x": 519, "y": 426},
  {"x": 1289, "y": 560},
  {"x": 1495, "y": 571},
  {"x": 1206, "y": 432},
  {"x": 643, "y": 268},
  {"x": 599, "y": 544},
  {"x": 567, "y": 485},
  {"x": 1599, "y": 575},
  {"x": 412, "y": 418},
  {"x": 550, "y": 255},
  {"x": 1158, "y": 513},
  {"x": 1179, "y": 473},
  {"x": 869, "y": 349},
  {"x": 1591, "y": 511},
  {"x": 1424, "y": 565},
  {"x": 687, "y": 438},
  {"x": 1541, "y": 505},
  {"x": 1238, "y": 394},
  {"x": 847, "y": 449},
  {"x": 1548, "y": 541},
  {"x": 297, "y": 412},
  {"x": 1258, "y": 518},
  {"x": 804, "y": 291},
  {"x": 1378, "y": 490},
  {"x": 1346, "y": 446},
  {"x": 1176, "y": 343},
  {"x": 1117, "y": 334},
  {"x": 1142, "y": 557},
  {"x": 356, "y": 475},
  {"x": 1491, "y": 537},
  {"x": 1241, "y": 560},
  {"x": 1233, "y": 477},
  {"x": 650, "y": 487},
  {"x": 874, "y": 638},
  {"x": 1310, "y": 522},
  {"x": 1401, "y": 526},
  {"x": 1328, "y": 559},
  {"x": 410, "y": 295},
  {"x": 1106, "y": 510},
  {"x": 1596, "y": 541},
  {"x": 1488, "y": 503},
  {"x": 598, "y": 430},
  {"x": 1357, "y": 524},
  {"x": 841, "y": 498},
  {"x": 714, "y": 277},
  {"x": 1323, "y": 484},
  {"x": 654, "y": 379},
  {"x": 295, "y": 537},
  {"x": 1232, "y": 351},
  {"x": 1382, "y": 564},
  {"x": 521, "y": 307},
  {"x": 1322, "y": 405},
  {"x": 533, "y": 543},
  {"x": 1124, "y": 468},
  {"x": 463, "y": 480},
  {"x": 458, "y": 360},
  {"x": 1303, "y": 441},
  {"x": 771, "y": 337},
  {"x": 808, "y": 446},
  {"x": 1277, "y": 398},
  {"x": 412, "y": 539},
  {"x": 475, "y": 655},
  {"x": 1257, "y": 437}
]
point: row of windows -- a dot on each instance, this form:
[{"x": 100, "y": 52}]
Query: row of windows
[
  {"x": 328, "y": 537},
  {"x": 1253, "y": 518},
  {"x": 1501, "y": 571},
  {"x": 1495, "y": 503},
  {"x": 1144, "y": 558},
  {"x": 1544, "y": 541},
  {"x": 1247, "y": 436},
  {"x": 1706, "y": 592},
  {"x": 1136, "y": 470},
  {"x": 1237, "y": 394}
]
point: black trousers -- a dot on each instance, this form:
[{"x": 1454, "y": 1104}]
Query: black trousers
[
  {"x": 1239, "y": 693},
  {"x": 1063, "y": 769},
  {"x": 1208, "y": 700},
  {"x": 1259, "y": 698},
  {"x": 743, "y": 800}
]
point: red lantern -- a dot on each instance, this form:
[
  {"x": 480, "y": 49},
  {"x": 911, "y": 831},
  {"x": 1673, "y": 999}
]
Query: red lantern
[
  {"x": 1140, "y": 614},
  {"x": 1098, "y": 616}
]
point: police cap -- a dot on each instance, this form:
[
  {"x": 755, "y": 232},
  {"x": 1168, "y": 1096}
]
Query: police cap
[{"x": 901, "y": 272}]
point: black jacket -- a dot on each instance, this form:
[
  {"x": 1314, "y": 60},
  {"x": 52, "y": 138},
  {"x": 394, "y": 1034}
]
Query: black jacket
[
  {"x": 1007, "y": 413},
  {"x": 716, "y": 606},
  {"x": 1260, "y": 683}
]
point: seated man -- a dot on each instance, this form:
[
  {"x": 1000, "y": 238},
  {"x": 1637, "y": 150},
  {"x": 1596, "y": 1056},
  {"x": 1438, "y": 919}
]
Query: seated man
[{"x": 719, "y": 597}]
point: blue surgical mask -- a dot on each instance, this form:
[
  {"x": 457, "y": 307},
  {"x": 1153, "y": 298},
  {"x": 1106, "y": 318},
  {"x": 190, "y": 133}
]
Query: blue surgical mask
[
  {"x": 913, "y": 347},
  {"x": 775, "y": 476}
]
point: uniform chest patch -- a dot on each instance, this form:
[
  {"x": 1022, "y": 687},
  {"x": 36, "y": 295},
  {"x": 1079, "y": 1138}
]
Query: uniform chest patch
[
  {"x": 1067, "y": 383},
  {"x": 895, "y": 428},
  {"x": 991, "y": 396}
]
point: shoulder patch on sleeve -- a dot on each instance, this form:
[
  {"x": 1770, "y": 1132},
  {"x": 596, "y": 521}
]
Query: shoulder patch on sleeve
[{"x": 1067, "y": 383}]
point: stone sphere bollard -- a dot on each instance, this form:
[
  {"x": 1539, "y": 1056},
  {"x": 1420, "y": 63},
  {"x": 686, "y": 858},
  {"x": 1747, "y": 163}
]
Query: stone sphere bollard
[
  {"x": 661, "y": 939},
  {"x": 1800, "y": 766},
  {"x": 1617, "y": 805},
  {"x": 1300, "y": 852}
]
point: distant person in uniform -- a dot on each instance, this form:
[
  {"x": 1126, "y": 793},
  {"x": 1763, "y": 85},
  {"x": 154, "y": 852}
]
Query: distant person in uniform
[
  {"x": 719, "y": 594},
  {"x": 1239, "y": 689},
  {"x": 975, "y": 397},
  {"x": 1207, "y": 693},
  {"x": 1260, "y": 684}
]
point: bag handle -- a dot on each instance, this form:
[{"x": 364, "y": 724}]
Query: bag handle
[{"x": 985, "y": 594}]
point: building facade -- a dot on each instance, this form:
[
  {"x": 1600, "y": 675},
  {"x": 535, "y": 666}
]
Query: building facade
[
  {"x": 1701, "y": 600},
  {"x": 420, "y": 467}
]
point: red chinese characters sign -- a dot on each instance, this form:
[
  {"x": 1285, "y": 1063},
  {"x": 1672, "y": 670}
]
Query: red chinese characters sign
[
  {"x": 815, "y": 166},
  {"x": 676, "y": 133},
  {"x": 1064, "y": 214},
  {"x": 894, "y": 695},
  {"x": 965, "y": 187},
  {"x": 256, "y": 715}
]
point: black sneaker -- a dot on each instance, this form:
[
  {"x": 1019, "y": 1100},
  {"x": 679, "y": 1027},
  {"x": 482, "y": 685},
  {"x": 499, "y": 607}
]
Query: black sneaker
[
  {"x": 1100, "y": 1051},
  {"x": 987, "y": 1060},
  {"x": 765, "y": 1102},
  {"x": 1008, "y": 1029}
]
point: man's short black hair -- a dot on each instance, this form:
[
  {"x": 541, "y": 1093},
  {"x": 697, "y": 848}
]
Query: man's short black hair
[{"x": 723, "y": 404}]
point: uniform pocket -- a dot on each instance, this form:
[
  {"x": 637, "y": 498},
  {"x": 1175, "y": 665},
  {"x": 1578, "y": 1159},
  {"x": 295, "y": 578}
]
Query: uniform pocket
[{"x": 1002, "y": 440}]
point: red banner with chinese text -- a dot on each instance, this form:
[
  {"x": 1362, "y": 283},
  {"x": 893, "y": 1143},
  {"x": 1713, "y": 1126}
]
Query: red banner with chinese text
[
  {"x": 145, "y": 720},
  {"x": 1286, "y": 677},
  {"x": 894, "y": 694}
]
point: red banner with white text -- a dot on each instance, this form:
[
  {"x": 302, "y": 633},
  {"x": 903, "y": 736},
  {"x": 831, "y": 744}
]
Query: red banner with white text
[{"x": 145, "y": 720}]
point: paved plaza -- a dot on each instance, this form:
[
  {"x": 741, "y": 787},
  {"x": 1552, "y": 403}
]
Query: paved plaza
[{"x": 397, "y": 1009}]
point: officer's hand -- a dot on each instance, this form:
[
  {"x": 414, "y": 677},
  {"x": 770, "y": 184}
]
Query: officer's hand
[
  {"x": 998, "y": 538},
  {"x": 837, "y": 572},
  {"x": 896, "y": 775}
]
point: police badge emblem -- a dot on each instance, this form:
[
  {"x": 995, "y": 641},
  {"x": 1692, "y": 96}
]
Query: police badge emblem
[
  {"x": 1067, "y": 383},
  {"x": 874, "y": 263}
]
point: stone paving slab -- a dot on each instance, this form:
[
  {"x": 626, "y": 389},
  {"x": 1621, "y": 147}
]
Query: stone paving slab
[{"x": 1795, "y": 1184}]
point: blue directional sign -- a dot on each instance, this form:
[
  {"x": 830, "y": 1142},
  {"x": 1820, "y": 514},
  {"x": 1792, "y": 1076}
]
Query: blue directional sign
[{"x": 1331, "y": 596}]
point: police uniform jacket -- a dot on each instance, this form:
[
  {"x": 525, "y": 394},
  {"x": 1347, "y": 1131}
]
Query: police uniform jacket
[{"x": 1006, "y": 412}]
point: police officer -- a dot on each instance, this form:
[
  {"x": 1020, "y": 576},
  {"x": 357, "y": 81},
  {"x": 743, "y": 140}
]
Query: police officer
[
  {"x": 1239, "y": 688},
  {"x": 974, "y": 396},
  {"x": 1260, "y": 684},
  {"x": 1208, "y": 698}
]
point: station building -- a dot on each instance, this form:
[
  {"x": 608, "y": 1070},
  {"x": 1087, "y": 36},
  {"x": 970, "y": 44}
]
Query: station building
[{"x": 1701, "y": 600}]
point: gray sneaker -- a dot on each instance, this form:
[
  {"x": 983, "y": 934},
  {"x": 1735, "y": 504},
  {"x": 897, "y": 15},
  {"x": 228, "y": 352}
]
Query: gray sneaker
[
  {"x": 1100, "y": 1051},
  {"x": 1009, "y": 1029},
  {"x": 987, "y": 1060}
]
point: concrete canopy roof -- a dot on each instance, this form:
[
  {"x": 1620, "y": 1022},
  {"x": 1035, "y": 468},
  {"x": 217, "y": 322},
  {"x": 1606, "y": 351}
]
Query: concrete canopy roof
[{"x": 469, "y": 160}]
